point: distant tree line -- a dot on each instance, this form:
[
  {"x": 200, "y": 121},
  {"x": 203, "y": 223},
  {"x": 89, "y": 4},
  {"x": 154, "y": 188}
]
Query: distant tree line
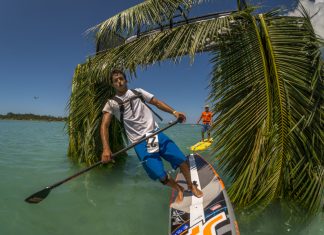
[{"x": 30, "y": 116}]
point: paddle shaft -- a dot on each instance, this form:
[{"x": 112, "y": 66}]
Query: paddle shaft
[{"x": 113, "y": 155}]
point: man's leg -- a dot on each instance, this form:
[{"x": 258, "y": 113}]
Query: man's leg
[
  {"x": 155, "y": 170},
  {"x": 174, "y": 155},
  {"x": 184, "y": 168},
  {"x": 202, "y": 133},
  {"x": 169, "y": 181}
]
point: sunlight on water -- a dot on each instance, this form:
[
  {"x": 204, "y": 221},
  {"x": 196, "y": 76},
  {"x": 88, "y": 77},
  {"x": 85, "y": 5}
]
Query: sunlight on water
[{"x": 122, "y": 200}]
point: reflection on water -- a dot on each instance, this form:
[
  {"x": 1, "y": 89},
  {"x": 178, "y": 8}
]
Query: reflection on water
[{"x": 121, "y": 200}]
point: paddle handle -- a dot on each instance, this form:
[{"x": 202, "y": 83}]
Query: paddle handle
[{"x": 113, "y": 155}]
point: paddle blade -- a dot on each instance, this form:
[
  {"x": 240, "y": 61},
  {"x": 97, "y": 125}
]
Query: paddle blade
[{"x": 39, "y": 196}]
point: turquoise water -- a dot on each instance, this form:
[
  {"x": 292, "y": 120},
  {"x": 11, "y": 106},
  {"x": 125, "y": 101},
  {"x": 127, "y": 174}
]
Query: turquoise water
[{"x": 103, "y": 201}]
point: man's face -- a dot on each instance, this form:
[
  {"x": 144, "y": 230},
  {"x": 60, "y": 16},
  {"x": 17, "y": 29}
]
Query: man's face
[
  {"x": 119, "y": 82},
  {"x": 206, "y": 109}
]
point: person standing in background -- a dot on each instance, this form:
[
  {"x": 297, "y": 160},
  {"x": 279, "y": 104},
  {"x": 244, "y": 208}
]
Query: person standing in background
[{"x": 206, "y": 118}]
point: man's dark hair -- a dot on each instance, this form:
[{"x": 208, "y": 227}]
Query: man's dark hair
[{"x": 114, "y": 71}]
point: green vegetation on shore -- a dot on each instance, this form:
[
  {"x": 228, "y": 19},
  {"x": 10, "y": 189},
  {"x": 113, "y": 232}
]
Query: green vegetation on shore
[{"x": 30, "y": 116}]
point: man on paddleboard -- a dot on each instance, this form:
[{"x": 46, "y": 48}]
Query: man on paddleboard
[
  {"x": 130, "y": 108},
  {"x": 206, "y": 118}
]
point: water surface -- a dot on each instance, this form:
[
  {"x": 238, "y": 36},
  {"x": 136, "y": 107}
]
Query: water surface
[{"x": 122, "y": 200}]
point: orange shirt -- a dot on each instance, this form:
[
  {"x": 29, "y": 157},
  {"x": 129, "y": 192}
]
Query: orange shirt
[{"x": 206, "y": 117}]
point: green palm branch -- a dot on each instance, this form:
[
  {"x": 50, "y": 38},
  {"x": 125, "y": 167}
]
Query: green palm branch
[
  {"x": 86, "y": 104},
  {"x": 148, "y": 14},
  {"x": 266, "y": 89},
  {"x": 270, "y": 143}
]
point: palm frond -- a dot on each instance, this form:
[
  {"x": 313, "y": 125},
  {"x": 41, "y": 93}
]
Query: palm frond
[
  {"x": 172, "y": 43},
  {"x": 241, "y": 93},
  {"x": 269, "y": 110},
  {"x": 86, "y": 104},
  {"x": 296, "y": 53},
  {"x": 145, "y": 15},
  {"x": 266, "y": 90}
]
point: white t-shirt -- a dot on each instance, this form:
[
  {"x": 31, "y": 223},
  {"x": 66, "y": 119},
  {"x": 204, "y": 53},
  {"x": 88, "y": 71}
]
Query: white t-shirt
[{"x": 137, "y": 121}]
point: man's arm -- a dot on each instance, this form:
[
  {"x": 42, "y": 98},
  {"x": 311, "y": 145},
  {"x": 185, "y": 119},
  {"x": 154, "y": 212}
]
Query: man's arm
[
  {"x": 166, "y": 108},
  {"x": 104, "y": 134}
]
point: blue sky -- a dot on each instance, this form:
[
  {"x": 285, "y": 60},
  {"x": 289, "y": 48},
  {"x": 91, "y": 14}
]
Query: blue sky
[{"x": 42, "y": 42}]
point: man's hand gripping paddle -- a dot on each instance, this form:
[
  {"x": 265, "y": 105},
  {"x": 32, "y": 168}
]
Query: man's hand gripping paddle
[{"x": 42, "y": 194}]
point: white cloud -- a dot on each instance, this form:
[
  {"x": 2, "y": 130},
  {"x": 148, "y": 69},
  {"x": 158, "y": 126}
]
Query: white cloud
[{"x": 316, "y": 8}]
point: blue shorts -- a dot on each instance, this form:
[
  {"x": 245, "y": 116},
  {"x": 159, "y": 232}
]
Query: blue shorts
[
  {"x": 205, "y": 127},
  {"x": 152, "y": 162}
]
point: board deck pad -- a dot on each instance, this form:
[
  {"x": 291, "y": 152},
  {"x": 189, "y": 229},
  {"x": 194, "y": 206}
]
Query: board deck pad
[{"x": 211, "y": 214}]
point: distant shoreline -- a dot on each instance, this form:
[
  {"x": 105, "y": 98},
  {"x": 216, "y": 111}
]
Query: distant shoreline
[{"x": 31, "y": 117}]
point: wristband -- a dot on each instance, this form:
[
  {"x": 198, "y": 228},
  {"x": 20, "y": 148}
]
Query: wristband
[{"x": 174, "y": 112}]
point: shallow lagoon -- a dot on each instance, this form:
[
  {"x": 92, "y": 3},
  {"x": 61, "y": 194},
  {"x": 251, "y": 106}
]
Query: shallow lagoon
[{"x": 122, "y": 200}]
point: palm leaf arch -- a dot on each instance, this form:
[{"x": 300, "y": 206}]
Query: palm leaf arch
[{"x": 268, "y": 107}]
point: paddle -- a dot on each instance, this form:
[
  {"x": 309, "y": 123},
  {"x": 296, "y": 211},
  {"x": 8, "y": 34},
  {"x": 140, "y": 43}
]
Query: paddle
[{"x": 42, "y": 194}]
